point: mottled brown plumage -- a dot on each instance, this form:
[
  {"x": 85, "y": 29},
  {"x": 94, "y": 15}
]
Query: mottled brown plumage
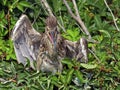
[
  {"x": 47, "y": 49},
  {"x": 52, "y": 52}
]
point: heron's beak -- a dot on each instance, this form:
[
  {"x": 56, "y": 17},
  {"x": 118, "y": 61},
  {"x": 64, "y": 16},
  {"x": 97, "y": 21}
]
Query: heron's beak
[{"x": 52, "y": 36}]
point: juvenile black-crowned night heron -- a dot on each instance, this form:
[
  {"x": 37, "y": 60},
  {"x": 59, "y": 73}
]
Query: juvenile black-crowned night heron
[{"x": 46, "y": 49}]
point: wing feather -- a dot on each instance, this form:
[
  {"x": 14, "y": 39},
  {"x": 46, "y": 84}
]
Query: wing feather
[
  {"x": 77, "y": 50},
  {"x": 82, "y": 50},
  {"x": 26, "y": 40}
]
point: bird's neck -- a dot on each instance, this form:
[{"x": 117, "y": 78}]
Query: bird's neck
[{"x": 51, "y": 47}]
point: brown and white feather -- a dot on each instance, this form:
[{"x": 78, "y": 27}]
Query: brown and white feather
[{"x": 30, "y": 44}]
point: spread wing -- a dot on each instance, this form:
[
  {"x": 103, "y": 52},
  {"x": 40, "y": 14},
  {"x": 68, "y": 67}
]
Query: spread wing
[
  {"x": 26, "y": 41},
  {"x": 77, "y": 50}
]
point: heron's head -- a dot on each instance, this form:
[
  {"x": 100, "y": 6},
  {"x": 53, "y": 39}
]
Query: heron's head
[{"x": 51, "y": 29}]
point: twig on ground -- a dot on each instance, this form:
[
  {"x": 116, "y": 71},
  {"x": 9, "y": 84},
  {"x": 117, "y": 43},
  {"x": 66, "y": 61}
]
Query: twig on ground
[
  {"x": 94, "y": 55},
  {"x": 77, "y": 17},
  {"x": 44, "y": 2},
  {"x": 112, "y": 15}
]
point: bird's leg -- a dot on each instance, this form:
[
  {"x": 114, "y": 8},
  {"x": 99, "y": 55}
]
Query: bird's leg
[
  {"x": 39, "y": 63},
  {"x": 32, "y": 64},
  {"x": 60, "y": 67}
]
